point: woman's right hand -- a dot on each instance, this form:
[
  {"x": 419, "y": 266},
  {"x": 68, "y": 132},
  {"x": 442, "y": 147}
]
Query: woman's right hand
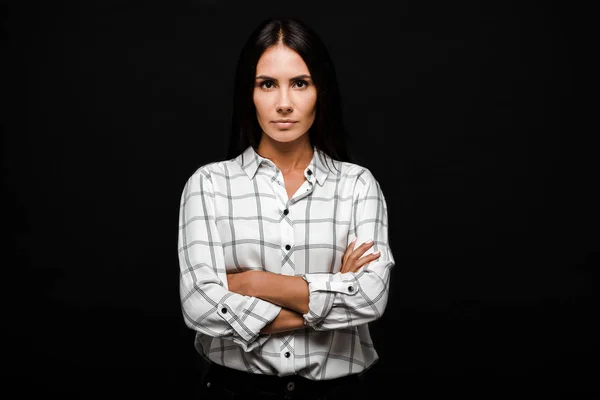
[{"x": 353, "y": 261}]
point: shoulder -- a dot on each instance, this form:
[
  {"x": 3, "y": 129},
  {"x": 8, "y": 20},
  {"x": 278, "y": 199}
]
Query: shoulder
[
  {"x": 361, "y": 174},
  {"x": 360, "y": 179},
  {"x": 215, "y": 169},
  {"x": 207, "y": 173}
]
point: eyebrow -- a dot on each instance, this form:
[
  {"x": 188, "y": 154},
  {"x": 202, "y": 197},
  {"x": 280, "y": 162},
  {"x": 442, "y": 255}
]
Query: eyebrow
[{"x": 292, "y": 79}]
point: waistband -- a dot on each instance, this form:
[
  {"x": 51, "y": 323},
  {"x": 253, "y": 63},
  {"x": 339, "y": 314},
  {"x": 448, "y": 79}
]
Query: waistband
[{"x": 241, "y": 381}]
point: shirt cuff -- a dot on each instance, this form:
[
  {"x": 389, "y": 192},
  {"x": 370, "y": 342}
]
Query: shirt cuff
[
  {"x": 323, "y": 290},
  {"x": 247, "y": 318}
]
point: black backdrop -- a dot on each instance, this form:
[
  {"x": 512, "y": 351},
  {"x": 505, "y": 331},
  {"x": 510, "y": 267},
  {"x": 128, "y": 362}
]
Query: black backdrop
[{"x": 467, "y": 114}]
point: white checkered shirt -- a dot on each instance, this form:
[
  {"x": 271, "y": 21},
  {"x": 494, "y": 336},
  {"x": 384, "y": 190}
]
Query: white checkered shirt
[{"x": 235, "y": 215}]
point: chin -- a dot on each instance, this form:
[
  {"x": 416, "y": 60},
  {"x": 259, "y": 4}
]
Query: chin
[{"x": 284, "y": 136}]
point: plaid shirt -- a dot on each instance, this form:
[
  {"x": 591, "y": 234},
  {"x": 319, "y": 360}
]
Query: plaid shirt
[{"x": 235, "y": 215}]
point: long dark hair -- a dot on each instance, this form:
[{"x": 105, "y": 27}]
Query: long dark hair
[{"x": 328, "y": 132}]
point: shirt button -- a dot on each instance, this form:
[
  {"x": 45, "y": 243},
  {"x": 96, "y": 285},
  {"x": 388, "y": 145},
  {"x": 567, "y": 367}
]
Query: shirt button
[
  {"x": 287, "y": 247},
  {"x": 309, "y": 172},
  {"x": 224, "y": 310},
  {"x": 287, "y": 354},
  {"x": 350, "y": 288},
  {"x": 285, "y": 212}
]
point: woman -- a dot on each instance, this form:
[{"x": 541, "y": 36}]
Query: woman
[{"x": 279, "y": 278}]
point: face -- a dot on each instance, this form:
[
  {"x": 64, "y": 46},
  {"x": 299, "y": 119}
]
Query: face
[{"x": 284, "y": 94}]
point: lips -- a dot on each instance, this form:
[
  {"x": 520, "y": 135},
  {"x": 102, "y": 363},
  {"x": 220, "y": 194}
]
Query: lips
[{"x": 284, "y": 123}]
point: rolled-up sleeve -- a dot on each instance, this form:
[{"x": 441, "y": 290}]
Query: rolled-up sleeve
[
  {"x": 207, "y": 304},
  {"x": 340, "y": 300}
]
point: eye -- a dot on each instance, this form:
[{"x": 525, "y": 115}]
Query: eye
[
  {"x": 301, "y": 84},
  {"x": 266, "y": 84}
]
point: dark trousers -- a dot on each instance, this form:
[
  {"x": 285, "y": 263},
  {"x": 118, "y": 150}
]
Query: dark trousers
[{"x": 222, "y": 383}]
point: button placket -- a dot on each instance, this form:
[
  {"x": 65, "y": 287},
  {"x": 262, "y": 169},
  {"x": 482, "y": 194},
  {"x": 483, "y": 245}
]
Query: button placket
[
  {"x": 287, "y": 240},
  {"x": 287, "y": 237},
  {"x": 287, "y": 358}
]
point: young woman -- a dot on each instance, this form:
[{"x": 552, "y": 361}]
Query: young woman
[{"x": 283, "y": 247}]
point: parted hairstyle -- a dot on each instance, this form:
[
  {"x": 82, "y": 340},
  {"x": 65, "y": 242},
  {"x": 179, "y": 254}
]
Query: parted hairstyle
[{"x": 328, "y": 132}]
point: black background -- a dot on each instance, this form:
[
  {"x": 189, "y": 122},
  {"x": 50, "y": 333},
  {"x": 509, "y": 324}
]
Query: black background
[{"x": 468, "y": 114}]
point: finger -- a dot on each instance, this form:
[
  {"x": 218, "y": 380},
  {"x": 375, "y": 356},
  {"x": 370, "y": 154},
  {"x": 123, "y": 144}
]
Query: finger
[
  {"x": 355, "y": 265},
  {"x": 361, "y": 249},
  {"x": 349, "y": 250},
  {"x": 365, "y": 260}
]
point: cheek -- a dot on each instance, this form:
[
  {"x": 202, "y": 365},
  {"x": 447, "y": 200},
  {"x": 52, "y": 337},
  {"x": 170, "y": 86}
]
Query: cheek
[
  {"x": 257, "y": 106},
  {"x": 312, "y": 103},
  {"x": 261, "y": 105},
  {"x": 307, "y": 104}
]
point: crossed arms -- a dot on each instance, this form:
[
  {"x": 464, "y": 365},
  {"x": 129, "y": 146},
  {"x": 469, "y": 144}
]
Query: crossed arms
[
  {"x": 246, "y": 307},
  {"x": 294, "y": 300}
]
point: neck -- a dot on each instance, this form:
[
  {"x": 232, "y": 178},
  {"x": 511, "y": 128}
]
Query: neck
[{"x": 288, "y": 156}]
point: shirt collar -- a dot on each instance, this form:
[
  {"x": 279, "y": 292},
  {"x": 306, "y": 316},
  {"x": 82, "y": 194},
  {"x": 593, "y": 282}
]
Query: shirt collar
[{"x": 250, "y": 161}]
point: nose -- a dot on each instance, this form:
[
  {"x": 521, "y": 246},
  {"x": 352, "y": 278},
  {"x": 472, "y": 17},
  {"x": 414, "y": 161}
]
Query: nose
[
  {"x": 284, "y": 105},
  {"x": 284, "y": 109}
]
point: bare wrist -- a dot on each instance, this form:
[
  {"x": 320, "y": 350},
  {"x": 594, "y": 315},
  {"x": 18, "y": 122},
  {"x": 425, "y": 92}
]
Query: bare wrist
[{"x": 253, "y": 283}]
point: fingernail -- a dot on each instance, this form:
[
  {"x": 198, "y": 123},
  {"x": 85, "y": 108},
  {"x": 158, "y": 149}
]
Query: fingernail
[
  {"x": 376, "y": 252},
  {"x": 353, "y": 240},
  {"x": 369, "y": 241}
]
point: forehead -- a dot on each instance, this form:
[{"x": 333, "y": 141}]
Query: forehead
[{"x": 282, "y": 61}]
